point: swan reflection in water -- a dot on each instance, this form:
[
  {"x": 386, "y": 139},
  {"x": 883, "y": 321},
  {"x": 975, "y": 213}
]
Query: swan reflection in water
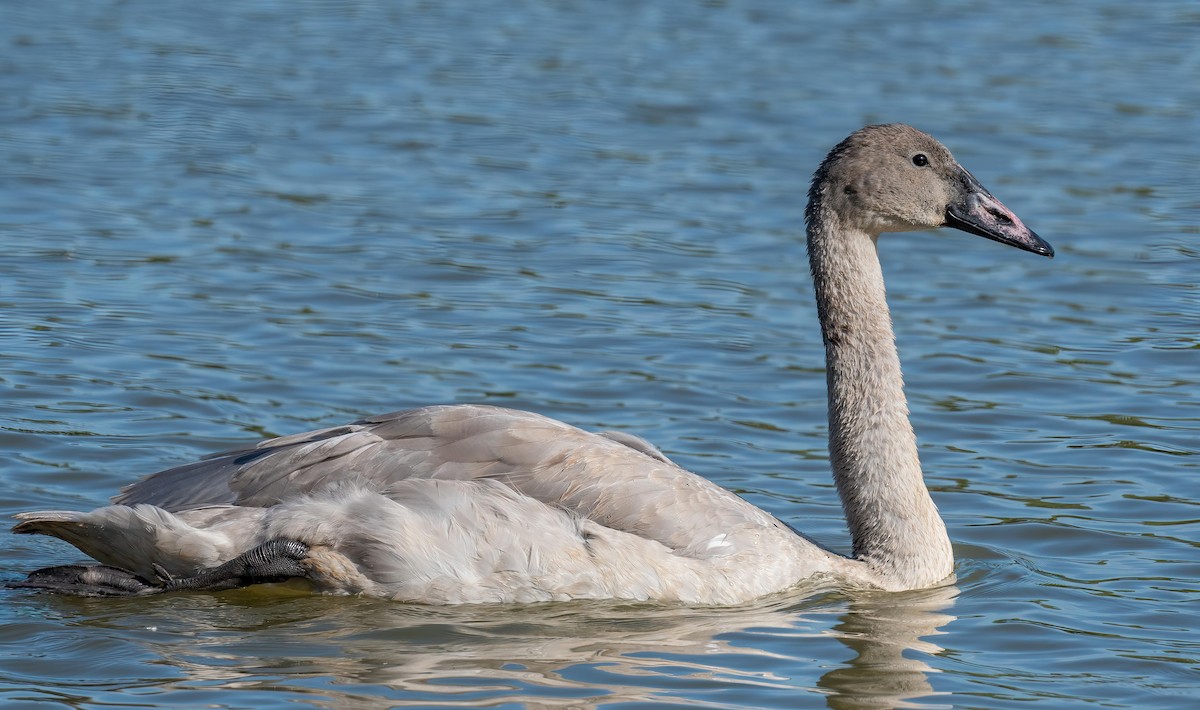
[{"x": 355, "y": 652}]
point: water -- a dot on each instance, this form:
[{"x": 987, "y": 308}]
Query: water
[{"x": 256, "y": 218}]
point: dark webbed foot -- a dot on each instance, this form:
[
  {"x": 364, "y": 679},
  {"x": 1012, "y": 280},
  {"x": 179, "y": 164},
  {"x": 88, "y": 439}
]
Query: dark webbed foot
[
  {"x": 273, "y": 561},
  {"x": 88, "y": 581}
]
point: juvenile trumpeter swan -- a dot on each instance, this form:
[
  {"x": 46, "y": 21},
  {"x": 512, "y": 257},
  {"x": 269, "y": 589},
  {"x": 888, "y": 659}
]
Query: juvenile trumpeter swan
[{"x": 470, "y": 503}]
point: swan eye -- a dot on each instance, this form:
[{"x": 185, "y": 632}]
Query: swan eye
[{"x": 920, "y": 160}]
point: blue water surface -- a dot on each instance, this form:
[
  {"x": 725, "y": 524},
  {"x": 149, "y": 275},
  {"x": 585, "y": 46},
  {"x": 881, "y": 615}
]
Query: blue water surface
[{"x": 220, "y": 222}]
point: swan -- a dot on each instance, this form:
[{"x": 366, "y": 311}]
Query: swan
[{"x": 471, "y": 503}]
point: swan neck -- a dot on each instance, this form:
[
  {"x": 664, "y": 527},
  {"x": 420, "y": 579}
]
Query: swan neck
[{"x": 893, "y": 522}]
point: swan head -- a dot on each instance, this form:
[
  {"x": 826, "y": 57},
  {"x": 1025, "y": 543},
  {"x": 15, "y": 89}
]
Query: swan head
[{"x": 894, "y": 178}]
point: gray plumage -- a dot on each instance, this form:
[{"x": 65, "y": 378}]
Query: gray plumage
[{"x": 474, "y": 503}]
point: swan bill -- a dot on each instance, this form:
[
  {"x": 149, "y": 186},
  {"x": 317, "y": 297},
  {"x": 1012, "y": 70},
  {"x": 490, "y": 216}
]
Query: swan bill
[{"x": 981, "y": 214}]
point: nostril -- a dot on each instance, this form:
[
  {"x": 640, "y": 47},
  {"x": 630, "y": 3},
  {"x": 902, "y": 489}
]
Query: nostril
[{"x": 1000, "y": 216}]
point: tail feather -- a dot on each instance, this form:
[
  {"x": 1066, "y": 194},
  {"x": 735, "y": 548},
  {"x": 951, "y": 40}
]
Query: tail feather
[
  {"x": 46, "y": 522},
  {"x": 134, "y": 538}
]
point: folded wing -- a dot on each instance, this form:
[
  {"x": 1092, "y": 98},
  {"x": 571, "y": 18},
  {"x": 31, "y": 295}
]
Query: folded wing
[{"x": 617, "y": 480}]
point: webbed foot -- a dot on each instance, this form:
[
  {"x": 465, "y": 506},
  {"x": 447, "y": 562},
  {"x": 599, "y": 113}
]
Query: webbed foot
[
  {"x": 273, "y": 561},
  {"x": 88, "y": 581},
  {"x": 276, "y": 560}
]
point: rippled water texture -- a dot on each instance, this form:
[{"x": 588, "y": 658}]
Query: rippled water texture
[{"x": 225, "y": 221}]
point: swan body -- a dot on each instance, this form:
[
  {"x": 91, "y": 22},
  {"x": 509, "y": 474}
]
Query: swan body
[{"x": 472, "y": 503}]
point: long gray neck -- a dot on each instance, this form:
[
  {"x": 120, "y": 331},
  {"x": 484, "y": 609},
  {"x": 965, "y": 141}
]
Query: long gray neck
[{"x": 893, "y": 522}]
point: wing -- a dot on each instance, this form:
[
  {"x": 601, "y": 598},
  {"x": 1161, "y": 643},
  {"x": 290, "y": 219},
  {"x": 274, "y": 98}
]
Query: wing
[{"x": 618, "y": 480}]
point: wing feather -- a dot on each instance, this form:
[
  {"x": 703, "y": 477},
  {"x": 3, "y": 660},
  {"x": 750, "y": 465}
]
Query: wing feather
[{"x": 619, "y": 480}]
